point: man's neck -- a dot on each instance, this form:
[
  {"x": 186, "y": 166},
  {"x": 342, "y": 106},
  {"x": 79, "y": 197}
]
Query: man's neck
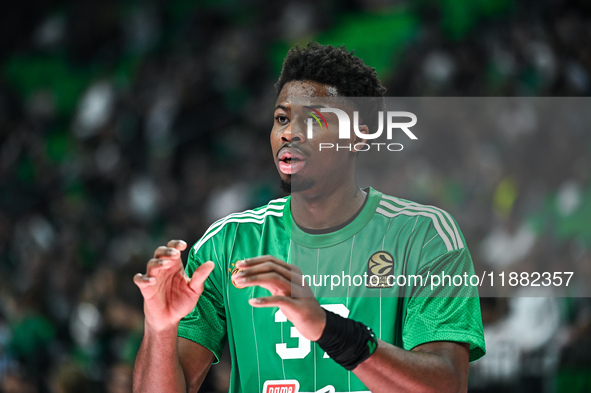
[{"x": 328, "y": 210}]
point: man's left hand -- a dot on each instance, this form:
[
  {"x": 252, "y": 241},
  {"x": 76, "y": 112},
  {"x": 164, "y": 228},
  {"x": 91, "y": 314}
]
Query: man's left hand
[{"x": 288, "y": 292}]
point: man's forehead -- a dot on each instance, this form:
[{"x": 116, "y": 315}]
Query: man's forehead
[
  {"x": 309, "y": 93},
  {"x": 307, "y": 89}
]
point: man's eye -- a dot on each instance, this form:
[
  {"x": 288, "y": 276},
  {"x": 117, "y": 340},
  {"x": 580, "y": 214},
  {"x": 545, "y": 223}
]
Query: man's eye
[{"x": 281, "y": 119}]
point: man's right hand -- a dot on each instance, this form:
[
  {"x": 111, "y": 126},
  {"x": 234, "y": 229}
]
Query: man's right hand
[{"x": 169, "y": 294}]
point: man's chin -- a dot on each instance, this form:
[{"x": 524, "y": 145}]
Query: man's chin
[{"x": 293, "y": 184}]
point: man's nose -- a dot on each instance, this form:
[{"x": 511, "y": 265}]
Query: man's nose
[{"x": 295, "y": 132}]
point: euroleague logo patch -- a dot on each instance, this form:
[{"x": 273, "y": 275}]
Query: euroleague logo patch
[{"x": 379, "y": 266}]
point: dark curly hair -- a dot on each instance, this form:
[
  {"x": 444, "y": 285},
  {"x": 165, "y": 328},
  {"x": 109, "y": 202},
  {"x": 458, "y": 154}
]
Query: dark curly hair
[
  {"x": 337, "y": 67},
  {"x": 330, "y": 65}
]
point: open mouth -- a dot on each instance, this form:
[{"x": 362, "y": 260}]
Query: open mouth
[
  {"x": 291, "y": 160},
  {"x": 291, "y": 165}
]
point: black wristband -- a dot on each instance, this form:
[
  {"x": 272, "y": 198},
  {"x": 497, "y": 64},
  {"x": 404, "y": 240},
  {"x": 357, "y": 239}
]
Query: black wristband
[{"x": 346, "y": 341}]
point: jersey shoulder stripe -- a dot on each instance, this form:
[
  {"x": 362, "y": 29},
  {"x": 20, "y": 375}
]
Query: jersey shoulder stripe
[
  {"x": 256, "y": 216},
  {"x": 275, "y": 204},
  {"x": 446, "y": 219},
  {"x": 443, "y": 223}
]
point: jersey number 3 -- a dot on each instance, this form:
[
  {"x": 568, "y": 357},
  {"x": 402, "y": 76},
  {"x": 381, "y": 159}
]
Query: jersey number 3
[{"x": 304, "y": 345}]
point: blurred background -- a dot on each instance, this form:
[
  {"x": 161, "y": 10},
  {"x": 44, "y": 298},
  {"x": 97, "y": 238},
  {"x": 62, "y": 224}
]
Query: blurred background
[{"x": 127, "y": 123}]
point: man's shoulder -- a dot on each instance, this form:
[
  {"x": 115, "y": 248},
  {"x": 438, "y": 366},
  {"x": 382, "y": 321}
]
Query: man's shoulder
[
  {"x": 417, "y": 217},
  {"x": 273, "y": 208},
  {"x": 251, "y": 218},
  {"x": 396, "y": 205}
]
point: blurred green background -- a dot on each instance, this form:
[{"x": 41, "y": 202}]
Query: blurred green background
[{"x": 125, "y": 123}]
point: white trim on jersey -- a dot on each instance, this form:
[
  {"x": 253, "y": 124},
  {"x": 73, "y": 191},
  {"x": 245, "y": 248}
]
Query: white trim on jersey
[
  {"x": 455, "y": 234},
  {"x": 249, "y": 213},
  {"x": 441, "y": 233},
  {"x": 253, "y": 216}
]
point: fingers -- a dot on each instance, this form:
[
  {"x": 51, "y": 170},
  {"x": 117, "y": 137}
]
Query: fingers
[
  {"x": 167, "y": 252},
  {"x": 269, "y": 272},
  {"x": 271, "y": 277},
  {"x": 264, "y": 267},
  {"x": 157, "y": 269},
  {"x": 164, "y": 259},
  {"x": 158, "y": 265},
  {"x": 271, "y": 301},
  {"x": 200, "y": 275},
  {"x": 180, "y": 245},
  {"x": 142, "y": 280},
  {"x": 250, "y": 262},
  {"x": 276, "y": 284},
  {"x": 269, "y": 280},
  {"x": 251, "y": 269}
]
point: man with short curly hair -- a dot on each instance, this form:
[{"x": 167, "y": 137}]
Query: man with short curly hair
[
  {"x": 337, "y": 68},
  {"x": 284, "y": 335},
  {"x": 332, "y": 66}
]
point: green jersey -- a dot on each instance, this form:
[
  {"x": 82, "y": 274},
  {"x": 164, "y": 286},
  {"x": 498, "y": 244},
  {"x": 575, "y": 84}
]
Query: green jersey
[{"x": 356, "y": 271}]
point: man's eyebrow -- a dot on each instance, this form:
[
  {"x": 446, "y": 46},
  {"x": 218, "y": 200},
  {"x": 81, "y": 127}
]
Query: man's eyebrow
[{"x": 316, "y": 106}]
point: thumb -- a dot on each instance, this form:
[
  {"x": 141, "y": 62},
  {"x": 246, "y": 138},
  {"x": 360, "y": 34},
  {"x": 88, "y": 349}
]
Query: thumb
[{"x": 200, "y": 275}]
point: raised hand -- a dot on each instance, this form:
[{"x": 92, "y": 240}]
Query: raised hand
[
  {"x": 169, "y": 294},
  {"x": 284, "y": 281}
]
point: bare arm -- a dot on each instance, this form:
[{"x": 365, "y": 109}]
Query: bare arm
[
  {"x": 157, "y": 364},
  {"x": 440, "y": 366},
  {"x": 196, "y": 361},
  {"x": 166, "y": 363}
]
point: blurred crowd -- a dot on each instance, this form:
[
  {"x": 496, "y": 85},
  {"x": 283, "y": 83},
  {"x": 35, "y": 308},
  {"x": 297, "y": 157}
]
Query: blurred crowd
[{"x": 124, "y": 124}]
